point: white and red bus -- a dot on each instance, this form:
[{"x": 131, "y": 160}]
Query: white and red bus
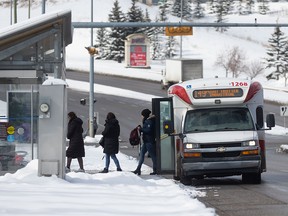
[{"x": 212, "y": 128}]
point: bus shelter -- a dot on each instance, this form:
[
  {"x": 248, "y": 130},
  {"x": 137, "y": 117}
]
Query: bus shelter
[{"x": 32, "y": 110}]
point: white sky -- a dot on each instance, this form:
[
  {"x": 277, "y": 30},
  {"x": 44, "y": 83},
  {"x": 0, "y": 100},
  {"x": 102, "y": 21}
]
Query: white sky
[{"x": 123, "y": 193}]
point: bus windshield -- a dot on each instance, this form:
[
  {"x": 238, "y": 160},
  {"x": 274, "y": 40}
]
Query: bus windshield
[{"x": 219, "y": 119}]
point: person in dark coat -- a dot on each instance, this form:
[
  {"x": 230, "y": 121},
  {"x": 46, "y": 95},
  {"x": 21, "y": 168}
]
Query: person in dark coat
[
  {"x": 111, "y": 141},
  {"x": 148, "y": 137},
  {"x": 76, "y": 143}
]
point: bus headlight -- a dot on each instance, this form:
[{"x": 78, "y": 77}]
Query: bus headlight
[
  {"x": 249, "y": 143},
  {"x": 191, "y": 145}
]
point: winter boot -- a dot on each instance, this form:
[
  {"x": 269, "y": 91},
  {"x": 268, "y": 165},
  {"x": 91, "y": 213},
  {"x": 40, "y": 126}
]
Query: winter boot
[
  {"x": 154, "y": 172},
  {"x": 137, "y": 171},
  {"x": 105, "y": 170}
]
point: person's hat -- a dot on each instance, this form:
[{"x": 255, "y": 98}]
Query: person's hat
[{"x": 145, "y": 113}]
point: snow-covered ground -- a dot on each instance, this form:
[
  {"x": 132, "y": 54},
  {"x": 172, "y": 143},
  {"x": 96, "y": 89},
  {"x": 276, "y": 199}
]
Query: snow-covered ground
[{"x": 123, "y": 193}]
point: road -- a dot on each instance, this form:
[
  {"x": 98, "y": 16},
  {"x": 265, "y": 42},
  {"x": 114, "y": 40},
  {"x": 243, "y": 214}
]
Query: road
[{"x": 227, "y": 195}]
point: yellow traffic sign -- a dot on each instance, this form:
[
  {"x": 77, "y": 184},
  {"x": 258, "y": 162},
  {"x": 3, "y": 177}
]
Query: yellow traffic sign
[{"x": 178, "y": 31}]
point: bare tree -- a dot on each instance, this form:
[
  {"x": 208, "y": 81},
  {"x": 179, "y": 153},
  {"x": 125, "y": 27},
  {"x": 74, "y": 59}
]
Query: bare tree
[
  {"x": 237, "y": 61},
  {"x": 221, "y": 61},
  {"x": 255, "y": 69},
  {"x": 233, "y": 61}
]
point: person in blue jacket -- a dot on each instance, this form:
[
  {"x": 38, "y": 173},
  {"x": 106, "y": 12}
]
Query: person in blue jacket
[{"x": 148, "y": 137}]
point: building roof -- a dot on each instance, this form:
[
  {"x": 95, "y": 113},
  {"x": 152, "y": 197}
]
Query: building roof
[{"x": 29, "y": 28}]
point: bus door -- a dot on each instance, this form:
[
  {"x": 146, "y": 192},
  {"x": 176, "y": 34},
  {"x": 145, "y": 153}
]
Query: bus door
[{"x": 162, "y": 108}]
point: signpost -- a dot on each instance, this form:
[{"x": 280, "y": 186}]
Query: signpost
[{"x": 284, "y": 112}]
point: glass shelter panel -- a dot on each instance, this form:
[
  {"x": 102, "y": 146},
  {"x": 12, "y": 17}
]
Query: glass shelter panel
[
  {"x": 18, "y": 126},
  {"x": 43, "y": 55}
]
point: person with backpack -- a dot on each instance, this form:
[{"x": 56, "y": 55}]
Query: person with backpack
[
  {"x": 148, "y": 137},
  {"x": 110, "y": 141}
]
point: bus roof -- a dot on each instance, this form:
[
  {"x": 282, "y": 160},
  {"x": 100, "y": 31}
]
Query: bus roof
[{"x": 211, "y": 91}]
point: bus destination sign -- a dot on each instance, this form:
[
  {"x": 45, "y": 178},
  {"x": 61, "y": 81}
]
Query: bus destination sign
[{"x": 218, "y": 93}]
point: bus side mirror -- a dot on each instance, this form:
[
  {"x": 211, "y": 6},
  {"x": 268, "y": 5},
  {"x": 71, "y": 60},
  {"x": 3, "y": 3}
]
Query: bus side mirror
[
  {"x": 270, "y": 120},
  {"x": 168, "y": 127}
]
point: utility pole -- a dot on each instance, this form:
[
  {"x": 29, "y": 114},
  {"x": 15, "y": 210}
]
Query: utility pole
[
  {"x": 43, "y": 6},
  {"x": 91, "y": 77},
  {"x": 15, "y": 11},
  {"x": 181, "y": 23},
  {"x": 29, "y": 9},
  {"x": 11, "y": 10}
]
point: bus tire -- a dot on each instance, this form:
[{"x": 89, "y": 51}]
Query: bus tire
[
  {"x": 251, "y": 178},
  {"x": 177, "y": 178},
  {"x": 185, "y": 180}
]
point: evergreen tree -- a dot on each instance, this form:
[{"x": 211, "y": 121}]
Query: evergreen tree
[
  {"x": 249, "y": 6},
  {"x": 176, "y": 9},
  {"x": 155, "y": 47},
  {"x": 198, "y": 10},
  {"x": 240, "y": 7},
  {"x": 229, "y": 6},
  {"x": 102, "y": 43},
  {"x": 170, "y": 47},
  {"x": 211, "y": 6},
  {"x": 117, "y": 35},
  {"x": 221, "y": 10},
  {"x": 135, "y": 14},
  {"x": 285, "y": 62},
  {"x": 185, "y": 9},
  {"x": 149, "y": 31},
  {"x": 156, "y": 42},
  {"x": 276, "y": 54},
  {"x": 147, "y": 16},
  {"x": 163, "y": 8},
  {"x": 263, "y": 6}
]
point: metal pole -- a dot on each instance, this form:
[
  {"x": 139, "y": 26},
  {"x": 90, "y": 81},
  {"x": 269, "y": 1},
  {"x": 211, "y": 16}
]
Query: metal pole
[
  {"x": 91, "y": 93},
  {"x": 11, "y": 9},
  {"x": 32, "y": 124},
  {"x": 15, "y": 11},
  {"x": 181, "y": 23},
  {"x": 173, "y": 24},
  {"x": 43, "y": 6},
  {"x": 29, "y": 9}
]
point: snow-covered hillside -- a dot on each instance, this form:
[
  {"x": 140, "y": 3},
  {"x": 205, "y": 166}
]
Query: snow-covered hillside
[{"x": 205, "y": 43}]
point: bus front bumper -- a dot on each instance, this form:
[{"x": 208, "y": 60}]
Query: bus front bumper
[{"x": 220, "y": 168}]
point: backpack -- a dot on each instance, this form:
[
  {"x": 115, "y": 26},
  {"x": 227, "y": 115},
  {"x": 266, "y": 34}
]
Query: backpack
[{"x": 134, "y": 138}]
